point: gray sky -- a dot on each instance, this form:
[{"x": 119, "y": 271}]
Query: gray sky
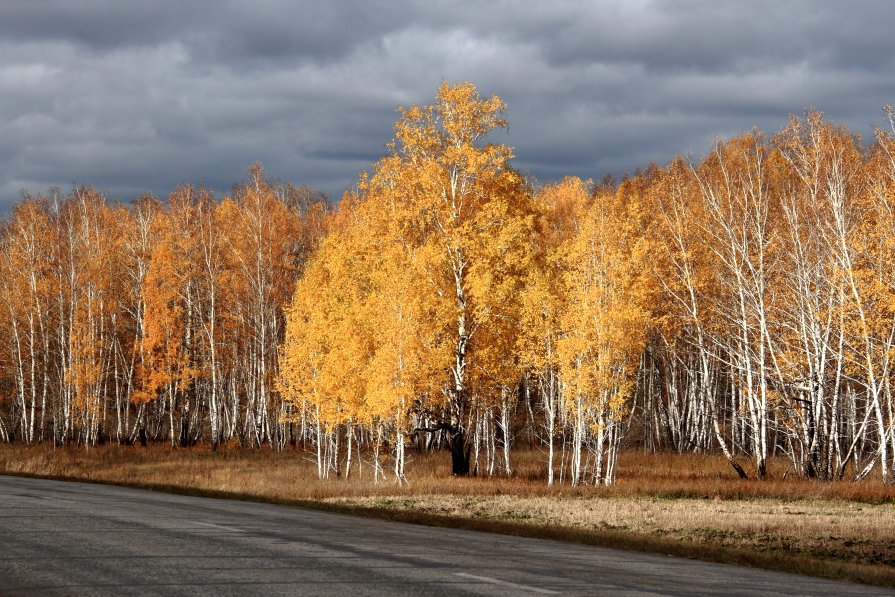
[{"x": 140, "y": 96}]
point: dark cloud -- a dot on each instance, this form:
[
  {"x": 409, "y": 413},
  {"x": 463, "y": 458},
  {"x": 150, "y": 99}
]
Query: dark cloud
[{"x": 135, "y": 97}]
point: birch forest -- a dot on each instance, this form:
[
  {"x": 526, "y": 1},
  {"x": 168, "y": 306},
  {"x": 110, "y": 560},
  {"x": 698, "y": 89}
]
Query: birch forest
[{"x": 742, "y": 304}]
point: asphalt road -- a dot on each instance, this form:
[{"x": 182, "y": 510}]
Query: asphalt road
[{"x": 61, "y": 538}]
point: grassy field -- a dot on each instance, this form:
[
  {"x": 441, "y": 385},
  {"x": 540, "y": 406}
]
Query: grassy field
[{"x": 691, "y": 506}]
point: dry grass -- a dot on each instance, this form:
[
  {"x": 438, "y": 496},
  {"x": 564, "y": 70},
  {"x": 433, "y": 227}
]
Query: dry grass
[
  {"x": 822, "y": 529},
  {"x": 685, "y": 505}
]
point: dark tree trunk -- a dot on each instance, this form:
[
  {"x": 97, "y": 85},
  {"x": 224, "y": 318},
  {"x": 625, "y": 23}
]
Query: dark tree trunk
[
  {"x": 184, "y": 431},
  {"x": 459, "y": 453},
  {"x": 742, "y": 474}
]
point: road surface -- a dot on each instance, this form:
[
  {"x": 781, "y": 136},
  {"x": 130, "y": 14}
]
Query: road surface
[{"x": 62, "y": 538}]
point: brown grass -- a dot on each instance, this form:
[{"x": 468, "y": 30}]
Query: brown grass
[{"x": 693, "y": 506}]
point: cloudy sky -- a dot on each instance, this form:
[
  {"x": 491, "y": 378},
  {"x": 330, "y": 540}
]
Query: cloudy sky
[{"x": 140, "y": 96}]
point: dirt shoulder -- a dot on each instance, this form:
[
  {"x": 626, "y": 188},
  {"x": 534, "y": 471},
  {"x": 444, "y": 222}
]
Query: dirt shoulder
[{"x": 835, "y": 530}]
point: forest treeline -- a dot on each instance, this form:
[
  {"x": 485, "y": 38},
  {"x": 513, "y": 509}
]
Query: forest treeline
[
  {"x": 743, "y": 304},
  {"x": 150, "y": 321}
]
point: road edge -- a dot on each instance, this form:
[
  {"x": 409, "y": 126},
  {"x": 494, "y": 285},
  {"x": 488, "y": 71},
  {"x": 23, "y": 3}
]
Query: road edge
[{"x": 775, "y": 560}]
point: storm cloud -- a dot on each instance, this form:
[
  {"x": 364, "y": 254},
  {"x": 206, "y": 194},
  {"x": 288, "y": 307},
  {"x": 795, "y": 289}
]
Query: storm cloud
[{"x": 138, "y": 97}]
